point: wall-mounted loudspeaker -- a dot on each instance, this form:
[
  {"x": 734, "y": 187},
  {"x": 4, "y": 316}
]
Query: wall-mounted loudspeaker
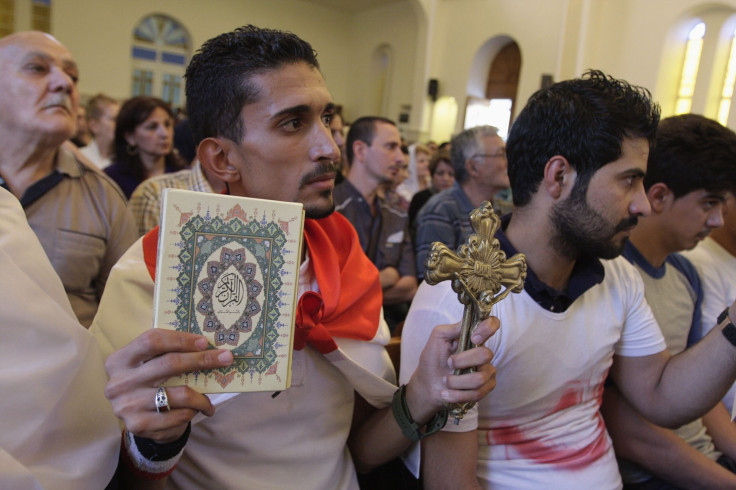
[
  {"x": 433, "y": 88},
  {"x": 547, "y": 80}
]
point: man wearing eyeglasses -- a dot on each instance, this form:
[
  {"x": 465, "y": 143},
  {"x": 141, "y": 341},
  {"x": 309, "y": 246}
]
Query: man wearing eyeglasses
[{"x": 479, "y": 157}]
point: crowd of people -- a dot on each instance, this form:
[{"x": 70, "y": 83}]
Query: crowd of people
[{"x": 611, "y": 368}]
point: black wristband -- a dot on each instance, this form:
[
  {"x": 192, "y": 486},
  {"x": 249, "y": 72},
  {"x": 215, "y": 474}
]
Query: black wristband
[
  {"x": 154, "y": 451},
  {"x": 409, "y": 428},
  {"x": 729, "y": 331}
]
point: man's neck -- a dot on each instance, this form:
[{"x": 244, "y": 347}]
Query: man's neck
[
  {"x": 367, "y": 187},
  {"x": 477, "y": 194},
  {"x": 21, "y": 168},
  {"x": 529, "y": 235},
  {"x": 103, "y": 148},
  {"x": 647, "y": 237}
]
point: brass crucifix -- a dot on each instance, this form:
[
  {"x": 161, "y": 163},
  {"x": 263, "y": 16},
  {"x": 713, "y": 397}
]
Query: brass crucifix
[{"x": 478, "y": 271}]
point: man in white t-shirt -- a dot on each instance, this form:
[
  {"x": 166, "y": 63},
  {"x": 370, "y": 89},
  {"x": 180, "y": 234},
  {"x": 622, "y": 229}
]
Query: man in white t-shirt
[
  {"x": 577, "y": 155},
  {"x": 715, "y": 260}
]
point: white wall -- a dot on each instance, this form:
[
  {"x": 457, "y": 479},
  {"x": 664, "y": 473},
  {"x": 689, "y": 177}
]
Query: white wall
[{"x": 393, "y": 25}]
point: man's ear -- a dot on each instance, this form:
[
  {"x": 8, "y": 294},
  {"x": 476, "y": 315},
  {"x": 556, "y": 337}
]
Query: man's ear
[
  {"x": 93, "y": 125},
  {"x": 659, "y": 195},
  {"x": 559, "y": 177},
  {"x": 214, "y": 155},
  {"x": 471, "y": 167},
  {"x": 359, "y": 149}
]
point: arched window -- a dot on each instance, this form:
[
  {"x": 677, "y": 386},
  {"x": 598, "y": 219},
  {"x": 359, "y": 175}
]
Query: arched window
[
  {"x": 501, "y": 84},
  {"x": 160, "y": 53},
  {"x": 690, "y": 66},
  {"x": 724, "y": 106}
]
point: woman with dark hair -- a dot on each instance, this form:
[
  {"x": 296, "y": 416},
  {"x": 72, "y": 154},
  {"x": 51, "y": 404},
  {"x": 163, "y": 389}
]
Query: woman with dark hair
[
  {"x": 144, "y": 143},
  {"x": 443, "y": 176}
]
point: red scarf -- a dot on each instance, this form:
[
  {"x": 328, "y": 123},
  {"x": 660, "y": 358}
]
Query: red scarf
[{"x": 349, "y": 302}]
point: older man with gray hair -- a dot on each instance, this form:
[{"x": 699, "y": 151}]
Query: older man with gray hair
[
  {"x": 479, "y": 158},
  {"x": 78, "y": 213}
]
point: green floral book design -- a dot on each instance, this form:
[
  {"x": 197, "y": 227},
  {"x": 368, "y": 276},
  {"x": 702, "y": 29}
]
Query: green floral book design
[{"x": 227, "y": 268}]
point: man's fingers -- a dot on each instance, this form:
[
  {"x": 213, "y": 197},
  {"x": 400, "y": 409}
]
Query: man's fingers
[
  {"x": 179, "y": 397},
  {"x": 470, "y": 386},
  {"x": 156, "y": 371},
  {"x": 138, "y": 410},
  {"x": 485, "y": 330},
  {"x": 161, "y": 427},
  {"x": 175, "y": 363},
  {"x": 477, "y": 356},
  {"x": 152, "y": 343}
]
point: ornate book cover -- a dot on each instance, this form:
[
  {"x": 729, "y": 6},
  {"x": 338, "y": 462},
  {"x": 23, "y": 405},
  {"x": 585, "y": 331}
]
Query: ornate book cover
[{"x": 227, "y": 269}]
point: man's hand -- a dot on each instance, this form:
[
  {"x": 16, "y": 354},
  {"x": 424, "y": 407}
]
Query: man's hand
[
  {"x": 138, "y": 369},
  {"x": 433, "y": 383},
  {"x": 388, "y": 276}
]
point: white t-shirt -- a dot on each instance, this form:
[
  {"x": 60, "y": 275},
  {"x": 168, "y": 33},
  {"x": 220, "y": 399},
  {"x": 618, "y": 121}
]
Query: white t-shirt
[
  {"x": 717, "y": 269},
  {"x": 541, "y": 427}
]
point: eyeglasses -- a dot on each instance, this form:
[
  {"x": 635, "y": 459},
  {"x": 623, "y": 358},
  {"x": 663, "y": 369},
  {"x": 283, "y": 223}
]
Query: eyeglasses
[{"x": 486, "y": 155}]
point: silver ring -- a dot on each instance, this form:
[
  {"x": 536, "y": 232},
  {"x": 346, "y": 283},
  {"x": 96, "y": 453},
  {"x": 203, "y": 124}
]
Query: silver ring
[{"x": 162, "y": 400}]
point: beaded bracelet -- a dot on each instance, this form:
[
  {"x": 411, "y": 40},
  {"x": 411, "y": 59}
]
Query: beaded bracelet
[{"x": 409, "y": 428}]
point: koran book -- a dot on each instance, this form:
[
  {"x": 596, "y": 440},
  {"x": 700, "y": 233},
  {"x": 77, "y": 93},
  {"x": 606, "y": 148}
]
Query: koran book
[{"x": 227, "y": 268}]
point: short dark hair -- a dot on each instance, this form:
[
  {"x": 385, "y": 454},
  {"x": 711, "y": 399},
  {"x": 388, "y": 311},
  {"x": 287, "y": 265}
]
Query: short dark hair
[
  {"x": 218, "y": 78},
  {"x": 692, "y": 152},
  {"x": 584, "y": 120},
  {"x": 363, "y": 129},
  {"x": 466, "y": 144}
]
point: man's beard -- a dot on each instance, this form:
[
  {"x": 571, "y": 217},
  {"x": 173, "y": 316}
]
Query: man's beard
[
  {"x": 582, "y": 231},
  {"x": 318, "y": 212}
]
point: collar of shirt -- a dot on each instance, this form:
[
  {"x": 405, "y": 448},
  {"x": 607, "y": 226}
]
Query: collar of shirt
[
  {"x": 587, "y": 272},
  {"x": 466, "y": 207},
  {"x": 632, "y": 254},
  {"x": 65, "y": 165}
]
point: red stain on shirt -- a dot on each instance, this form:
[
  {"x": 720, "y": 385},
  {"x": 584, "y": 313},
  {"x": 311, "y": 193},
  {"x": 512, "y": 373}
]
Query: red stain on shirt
[{"x": 539, "y": 446}]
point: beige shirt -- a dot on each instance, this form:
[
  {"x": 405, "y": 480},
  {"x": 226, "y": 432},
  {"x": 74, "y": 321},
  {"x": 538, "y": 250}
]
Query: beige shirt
[
  {"x": 84, "y": 226},
  {"x": 295, "y": 440},
  {"x": 57, "y": 430}
]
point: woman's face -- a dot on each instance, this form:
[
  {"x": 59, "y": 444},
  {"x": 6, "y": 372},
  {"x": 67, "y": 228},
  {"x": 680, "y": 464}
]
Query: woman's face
[
  {"x": 444, "y": 176},
  {"x": 153, "y": 137},
  {"x": 422, "y": 160}
]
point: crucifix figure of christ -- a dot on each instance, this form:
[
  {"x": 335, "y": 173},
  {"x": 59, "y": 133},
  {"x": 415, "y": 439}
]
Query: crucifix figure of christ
[{"x": 481, "y": 276}]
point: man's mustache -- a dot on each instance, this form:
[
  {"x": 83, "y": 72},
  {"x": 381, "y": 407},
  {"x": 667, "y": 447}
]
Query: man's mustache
[
  {"x": 627, "y": 223},
  {"x": 59, "y": 100},
  {"x": 323, "y": 169}
]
